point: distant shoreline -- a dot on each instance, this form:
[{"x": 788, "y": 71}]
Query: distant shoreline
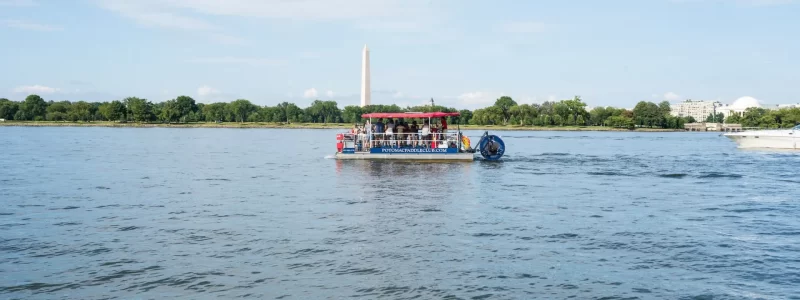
[{"x": 313, "y": 126}]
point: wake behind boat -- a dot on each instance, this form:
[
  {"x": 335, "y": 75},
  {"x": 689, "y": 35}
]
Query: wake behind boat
[
  {"x": 427, "y": 137},
  {"x": 767, "y": 139}
]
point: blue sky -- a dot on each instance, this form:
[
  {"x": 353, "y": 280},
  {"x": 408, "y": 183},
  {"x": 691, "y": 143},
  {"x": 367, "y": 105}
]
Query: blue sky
[{"x": 462, "y": 53}]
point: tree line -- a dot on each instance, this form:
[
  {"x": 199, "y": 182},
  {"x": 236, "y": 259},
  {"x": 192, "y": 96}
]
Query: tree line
[
  {"x": 764, "y": 118},
  {"x": 572, "y": 112},
  {"x": 184, "y": 109}
]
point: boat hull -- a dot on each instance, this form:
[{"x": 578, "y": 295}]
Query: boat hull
[
  {"x": 409, "y": 156},
  {"x": 765, "y": 140}
]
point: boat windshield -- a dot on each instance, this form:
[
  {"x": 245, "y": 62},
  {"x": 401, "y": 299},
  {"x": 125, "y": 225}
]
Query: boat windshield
[{"x": 796, "y": 127}]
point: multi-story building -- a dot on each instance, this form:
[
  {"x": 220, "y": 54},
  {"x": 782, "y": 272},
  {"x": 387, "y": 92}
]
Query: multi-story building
[
  {"x": 699, "y": 110},
  {"x": 780, "y": 106}
]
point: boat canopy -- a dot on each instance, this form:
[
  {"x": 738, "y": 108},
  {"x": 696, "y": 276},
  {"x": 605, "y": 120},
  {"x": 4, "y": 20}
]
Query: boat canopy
[{"x": 437, "y": 114}]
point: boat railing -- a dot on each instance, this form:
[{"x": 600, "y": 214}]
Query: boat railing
[
  {"x": 362, "y": 142},
  {"x": 768, "y": 128}
]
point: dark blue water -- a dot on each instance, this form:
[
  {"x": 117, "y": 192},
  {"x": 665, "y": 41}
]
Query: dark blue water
[{"x": 107, "y": 213}]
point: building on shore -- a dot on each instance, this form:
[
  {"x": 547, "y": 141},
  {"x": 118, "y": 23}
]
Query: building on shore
[
  {"x": 708, "y": 126},
  {"x": 699, "y": 110},
  {"x": 739, "y": 106},
  {"x": 781, "y": 106}
]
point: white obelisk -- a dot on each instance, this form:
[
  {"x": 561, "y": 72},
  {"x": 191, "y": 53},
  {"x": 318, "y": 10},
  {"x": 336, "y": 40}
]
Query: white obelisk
[{"x": 365, "y": 91}]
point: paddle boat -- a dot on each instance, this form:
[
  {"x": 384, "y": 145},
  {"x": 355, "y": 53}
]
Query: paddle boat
[{"x": 413, "y": 136}]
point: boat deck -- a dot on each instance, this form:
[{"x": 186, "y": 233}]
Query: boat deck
[{"x": 410, "y": 156}]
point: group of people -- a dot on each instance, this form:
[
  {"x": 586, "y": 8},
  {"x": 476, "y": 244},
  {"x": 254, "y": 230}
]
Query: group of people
[{"x": 400, "y": 133}]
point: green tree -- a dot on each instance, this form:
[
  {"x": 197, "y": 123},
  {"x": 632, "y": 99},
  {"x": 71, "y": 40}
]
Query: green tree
[
  {"x": 752, "y": 117},
  {"x": 215, "y": 112},
  {"x": 323, "y": 112},
  {"x": 170, "y": 111},
  {"x": 576, "y": 109},
  {"x": 184, "y": 105},
  {"x": 524, "y": 114},
  {"x": 647, "y": 114},
  {"x": 620, "y": 122},
  {"x": 34, "y": 108},
  {"x": 504, "y": 104},
  {"x": 465, "y": 116},
  {"x": 352, "y": 114},
  {"x": 733, "y": 118},
  {"x": 140, "y": 110},
  {"x": 293, "y": 112},
  {"x": 241, "y": 109},
  {"x": 715, "y": 118},
  {"x": 113, "y": 111},
  {"x": 80, "y": 111},
  {"x": 665, "y": 108},
  {"x": 57, "y": 111},
  {"x": 199, "y": 116},
  {"x": 598, "y": 116},
  {"x": 8, "y": 109}
]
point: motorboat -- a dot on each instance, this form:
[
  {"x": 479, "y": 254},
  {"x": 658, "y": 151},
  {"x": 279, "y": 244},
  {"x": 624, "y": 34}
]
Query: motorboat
[
  {"x": 422, "y": 136},
  {"x": 767, "y": 139}
]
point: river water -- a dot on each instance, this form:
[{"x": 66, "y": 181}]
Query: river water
[{"x": 122, "y": 213}]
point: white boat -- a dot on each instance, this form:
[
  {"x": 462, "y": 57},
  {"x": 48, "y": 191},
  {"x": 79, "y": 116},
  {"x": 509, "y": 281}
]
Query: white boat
[{"x": 767, "y": 139}]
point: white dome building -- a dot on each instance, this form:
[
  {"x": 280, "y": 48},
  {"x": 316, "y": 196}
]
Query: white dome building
[
  {"x": 744, "y": 103},
  {"x": 739, "y": 106}
]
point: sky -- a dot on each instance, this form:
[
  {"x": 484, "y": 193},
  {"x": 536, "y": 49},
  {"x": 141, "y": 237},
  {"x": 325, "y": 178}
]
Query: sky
[{"x": 461, "y": 53}]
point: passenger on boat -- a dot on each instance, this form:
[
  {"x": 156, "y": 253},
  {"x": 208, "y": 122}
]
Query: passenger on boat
[
  {"x": 425, "y": 133},
  {"x": 379, "y": 129},
  {"x": 389, "y": 133},
  {"x": 413, "y": 132},
  {"x": 390, "y": 124},
  {"x": 368, "y": 134},
  {"x": 401, "y": 131}
]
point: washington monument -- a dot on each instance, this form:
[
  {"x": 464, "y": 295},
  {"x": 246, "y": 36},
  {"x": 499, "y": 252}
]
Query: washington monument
[{"x": 365, "y": 91}]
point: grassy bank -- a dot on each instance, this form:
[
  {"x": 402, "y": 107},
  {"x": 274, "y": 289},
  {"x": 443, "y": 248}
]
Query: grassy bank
[{"x": 311, "y": 126}]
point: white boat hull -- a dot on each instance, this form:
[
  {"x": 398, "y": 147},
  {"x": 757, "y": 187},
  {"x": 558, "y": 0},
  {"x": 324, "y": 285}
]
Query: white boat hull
[{"x": 766, "y": 139}]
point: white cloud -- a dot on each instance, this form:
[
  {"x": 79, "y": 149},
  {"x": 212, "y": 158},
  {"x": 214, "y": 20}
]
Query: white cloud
[
  {"x": 19, "y": 24},
  {"x": 310, "y": 93},
  {"x": 523, "y": 27},
  {"x": 237, "y": 60},
  {"x": 398, "y": 94},
  {"x": 36, "y": 89},
  {"x": 17, "y": 3},
  {"x": 188, "y": 14},
  {"x": 672, "y": 96},
  {"x": 307, "y": 9},
  {"x": 330, "y": 94},
  {"x": 152, "y": 15},
  {"x": 206, "y": 91},
  {"x": 477, "y": 99}
]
